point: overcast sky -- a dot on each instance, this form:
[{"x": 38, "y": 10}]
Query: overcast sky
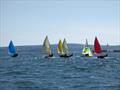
[{"x": 27, "y": 22}]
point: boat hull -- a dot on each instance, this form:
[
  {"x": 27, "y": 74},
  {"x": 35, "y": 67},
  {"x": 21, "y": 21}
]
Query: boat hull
[
  {"x": 85, "y": 55},
  {"x": 14, "y": 55},
  {"x": 66, "y": 56},
  {"x": 102, "y": 55},
  {"x": 51, "y": 55}
]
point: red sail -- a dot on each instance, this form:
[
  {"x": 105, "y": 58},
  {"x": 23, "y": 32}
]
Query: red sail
[{"x": 97, "y": 47}]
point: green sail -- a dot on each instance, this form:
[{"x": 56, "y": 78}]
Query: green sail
[{"x": 87, "y": 50}]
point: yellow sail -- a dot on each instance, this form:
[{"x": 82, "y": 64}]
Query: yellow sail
[{"x": 60, "y": 47}]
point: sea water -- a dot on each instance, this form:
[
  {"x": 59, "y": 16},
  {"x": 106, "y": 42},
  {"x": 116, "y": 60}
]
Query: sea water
[{"x": 31, "y": 71}]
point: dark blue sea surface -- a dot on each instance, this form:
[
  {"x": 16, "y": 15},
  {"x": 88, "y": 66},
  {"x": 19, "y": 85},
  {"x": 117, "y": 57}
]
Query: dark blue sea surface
[{"x": 31, "y": 71}]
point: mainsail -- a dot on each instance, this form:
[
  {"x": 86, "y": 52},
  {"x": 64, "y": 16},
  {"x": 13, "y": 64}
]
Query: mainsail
[
  {"x": 60, "y": 48},
  {"x": 11, "y": 48},
  {"x": 86, "y": 44},
  {"x": 46, "y": 46},
  {"x": 97, "y": 47},
  {"x": 65, "y": 47}
]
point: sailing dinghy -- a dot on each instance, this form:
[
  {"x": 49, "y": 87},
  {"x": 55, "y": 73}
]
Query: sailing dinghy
[
  {"x": 47, "y": 49},
  {"x": 63, "y": 49},
  {"x": 98, "y": 50},
  {"x": 86, "y": 50},
  {"x": 12, "y": 50}
]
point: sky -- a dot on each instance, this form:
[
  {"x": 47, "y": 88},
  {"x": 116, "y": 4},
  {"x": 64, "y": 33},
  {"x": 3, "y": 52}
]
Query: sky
[{"x": 27, "y": 22}]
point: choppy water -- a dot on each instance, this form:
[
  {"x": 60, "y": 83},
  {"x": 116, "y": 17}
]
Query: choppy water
[{"x": 30, "y": 71}]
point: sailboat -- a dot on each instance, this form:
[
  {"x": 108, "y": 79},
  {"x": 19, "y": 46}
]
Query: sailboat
[
  {"x": 63, "y": 49},
  {"x": 47, "y": 49},
  {"x": 86, "y": 50},
  {"x": 108, "y": 47},
  {"x": 12, "y": 50},
  {"x": 98, "y": 50}
]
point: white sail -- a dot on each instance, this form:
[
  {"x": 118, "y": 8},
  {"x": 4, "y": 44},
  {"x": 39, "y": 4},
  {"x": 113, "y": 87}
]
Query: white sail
[
  {"x": 65, "y": 47},
  {"x": 86, "y": 44},
  {"x": 46, "y": 46}
]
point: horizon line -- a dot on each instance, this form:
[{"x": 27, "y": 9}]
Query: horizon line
[{"x": 56, "y": 44}]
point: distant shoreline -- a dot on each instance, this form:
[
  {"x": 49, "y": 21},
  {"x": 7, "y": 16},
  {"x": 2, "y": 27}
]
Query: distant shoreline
[
  {"x": 111, "y": 48},
  {"x": 68, "y": 44}
]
